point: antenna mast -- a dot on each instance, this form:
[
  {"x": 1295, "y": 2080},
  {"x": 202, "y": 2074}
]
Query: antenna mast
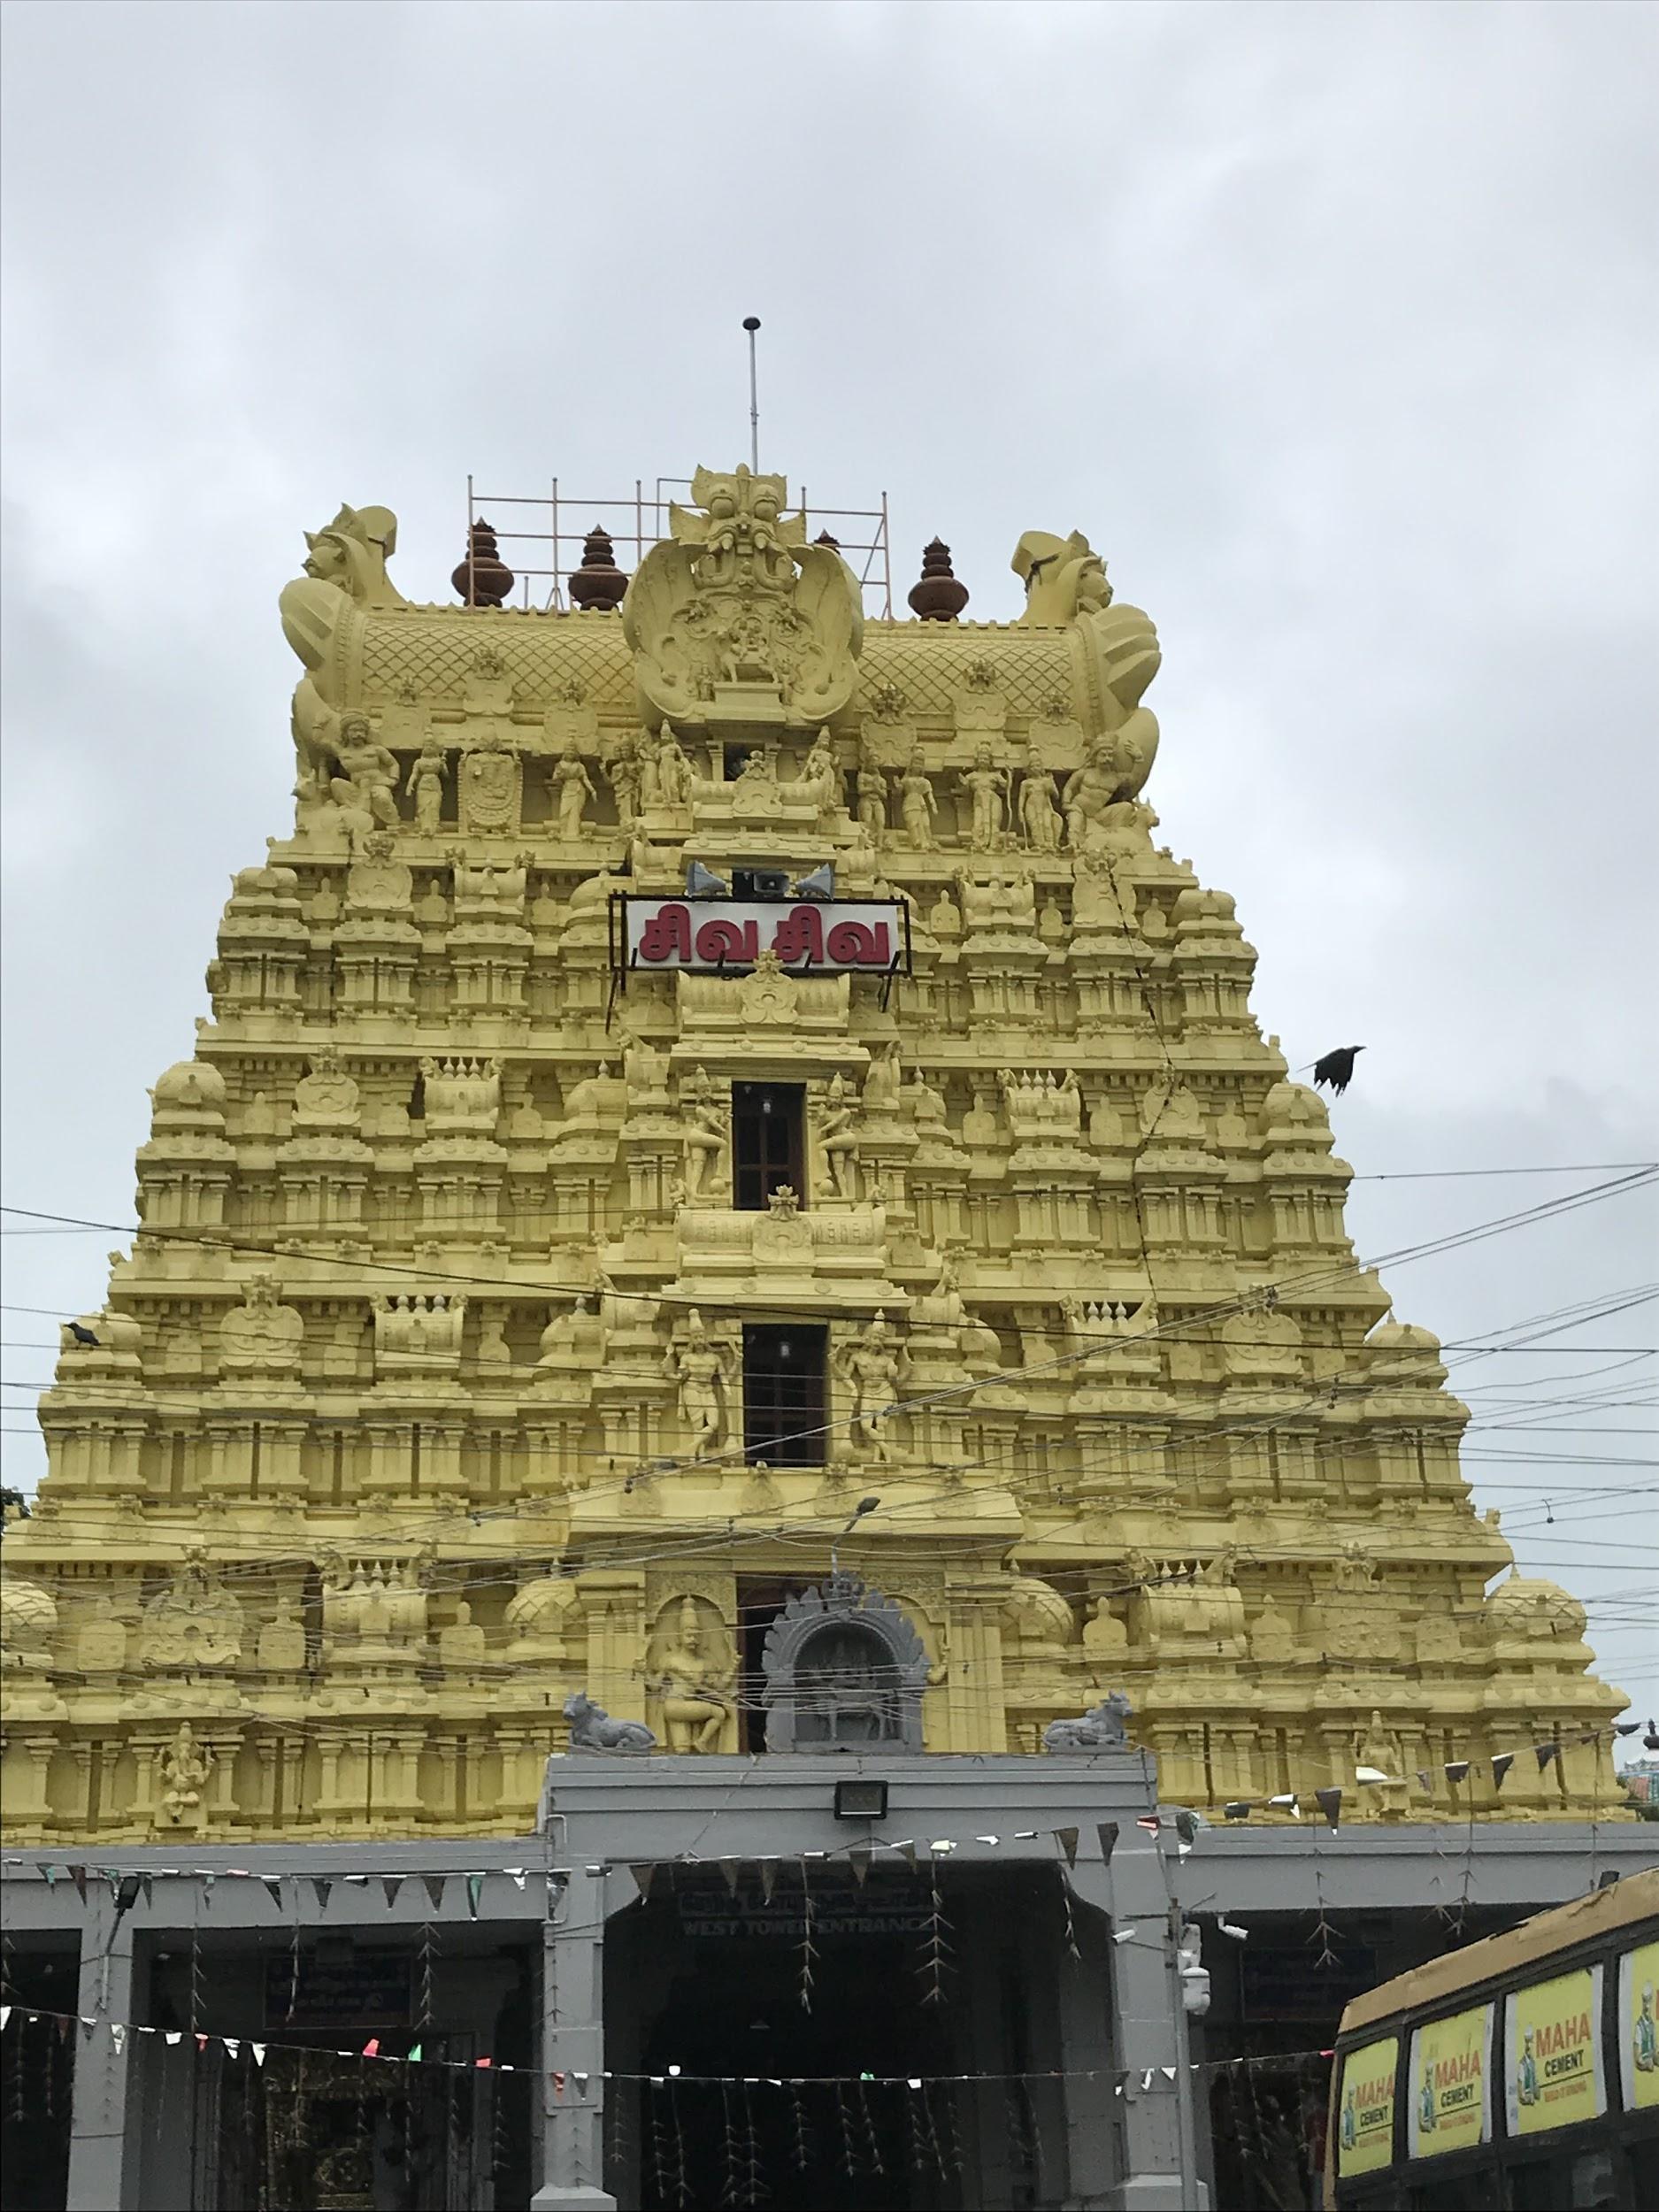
[{"x": 751, "y": 322}]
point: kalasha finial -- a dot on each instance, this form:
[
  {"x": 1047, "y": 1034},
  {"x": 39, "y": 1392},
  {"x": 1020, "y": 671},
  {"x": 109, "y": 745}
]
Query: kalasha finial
[
  {"x": 598, "y": 582},
  {"x": 939, "y": 596},
  {"x": 483, "y": 578}
]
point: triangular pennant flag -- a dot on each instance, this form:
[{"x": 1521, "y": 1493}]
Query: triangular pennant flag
[
  {"x": 858, "y": 1860},
  {"x": 1066, "y": 1838},
  {"x": 5, "y": 2015},
  {"x": 1284, "y": 1803},
  {"x": 1239, "y": 1809},
  {"x": 414, "y": 2050},
  {"x": 767, "y": 1869},
  {"x": 516, "y": 1874},
  {"x": 1370, "y": 1774},
  {"x": 907, "y": 1852},
  {"x": 475, "y": 1891},
  {"x": 1545, "y": 1752},
  {"x": 323, "y": 1887},
  {"x": 147, "y": 1883},
  {"x": 1456, "y": 1770},
  {"x": 730, "y": 1868},
  {"x": 483, "y": 2061},
  {"x": 371, "y": 2048},
  {"x": 1150, "y": 1822},
  {"x": 175, "y": 2036},
  {"x": 202, "y": 2042},
  {"x": 1626, "y": 1727},
  {"x": 1330, "y": 1803},
  {"x": 644, "y": 1874},
  {"x": 107, "y": 1874},
  {"x": 273, "y": 1889},
  {"x": 1501, "y": 1766},
  {"x": 78, "y": 1875},
  {"x": 259, "y": 2052},
  {"x": 232, "y": 2044},
  {"x": 1107, "y": 1831},
  {"x": 391, "y": 1883},
  {"x": 1424, "y": 1781},
  {"x": 359, "y": 1881},
  {"x": 51, "y": 1871},
  {"x": 435, "y": 1889},
  {"x": 207, "y": 1877}
]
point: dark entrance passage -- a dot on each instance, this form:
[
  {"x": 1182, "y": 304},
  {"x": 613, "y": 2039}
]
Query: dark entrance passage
[
  {"x": 37, "y": 2066},
  {"x": 922, "y": 2073}
]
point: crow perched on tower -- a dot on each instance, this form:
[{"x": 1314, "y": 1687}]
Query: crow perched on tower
[
  {"x": 81, "y": 1334},
  {"x": 1337, "y": 1068}
]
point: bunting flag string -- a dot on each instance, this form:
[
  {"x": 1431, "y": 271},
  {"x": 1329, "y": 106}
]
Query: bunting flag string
[{"x": 577, "y": 2086}]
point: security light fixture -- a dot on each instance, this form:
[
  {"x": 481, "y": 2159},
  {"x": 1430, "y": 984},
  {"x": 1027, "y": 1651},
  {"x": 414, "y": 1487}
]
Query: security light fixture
[{"x": 861, "y": 1801}]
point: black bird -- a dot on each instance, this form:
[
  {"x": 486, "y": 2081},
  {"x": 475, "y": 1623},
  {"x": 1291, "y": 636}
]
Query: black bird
[
  {"x": 1337, "y": 1068},
  {"x": 81, "y": 1334}
]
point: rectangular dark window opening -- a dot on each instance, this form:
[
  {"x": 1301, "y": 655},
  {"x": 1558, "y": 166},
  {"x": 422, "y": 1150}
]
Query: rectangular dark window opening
[
  {"x": 768, "y": 1143},
  {"x": 783, "y": 1392}
]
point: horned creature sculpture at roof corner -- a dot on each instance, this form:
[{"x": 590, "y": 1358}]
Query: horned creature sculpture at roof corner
[{"x": 734, "y": 615}]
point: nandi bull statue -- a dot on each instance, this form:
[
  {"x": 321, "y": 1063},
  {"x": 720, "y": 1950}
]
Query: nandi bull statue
[
  {"x": 1103, "y": 1729},
  {"x": 592, "y": 1728}
]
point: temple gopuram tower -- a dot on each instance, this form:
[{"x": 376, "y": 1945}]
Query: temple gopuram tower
[{"x": 721, "y": 1124}]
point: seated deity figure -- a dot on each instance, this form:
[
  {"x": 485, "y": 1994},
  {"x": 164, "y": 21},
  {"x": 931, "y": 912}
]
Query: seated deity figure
[
  {"x": 368, "y": 776},
  {"x": 693, "y": 1689}
]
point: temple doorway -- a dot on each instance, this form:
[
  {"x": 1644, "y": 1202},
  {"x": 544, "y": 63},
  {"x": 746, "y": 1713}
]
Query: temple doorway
[{"x": 909, "y": 2067}]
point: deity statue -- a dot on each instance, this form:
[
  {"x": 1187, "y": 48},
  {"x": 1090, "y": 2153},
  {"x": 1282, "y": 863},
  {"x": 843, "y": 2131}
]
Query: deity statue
[
  {"x": 674, "y": 775},
  {"x": 572, "y": 787},
  {"x": 462, "y": 1644},
  {"x": 1064, "y": 577},
  {"x": 883, "y": 1084},
  {"x": 705, "y": 1372},
  {"x": 918, "y": 806},
  {"x": 702, "y": 1128},
  {"x": 368, "y": 778},
  {"x": 837, "y": 1133},
  {"x": 260, "y": 1337},
  {"x": 1104, "y": 1635},
  {"x": 622, "y": 772},
  {"x": 987, "y": 787},
  {"x": 280, "y": 1649},
  {"x": 693, "y": 1688},
  {"x": 424, "y": 786},
  {"x": 101, "y": 1645},
  {"x": 1039, "y": 817},
  {"x": 820, "y": 779},
  {"x": 488, "y": 785},
  {"x": 184, "y": 1770},
  {"x": 874, "y": 1365},
  {"x": 1090, "y": 790},
  {"x": 872, "y": 801},
  {"x": 195, "y": 1623}
]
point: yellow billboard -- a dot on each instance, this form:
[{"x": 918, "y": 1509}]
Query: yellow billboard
[
  {"x": 1553, "y": 2074},
  {"x": 1638, "y": 2033},
  {"x": 1450, "y": 2110},
  {"x": 1365, "y": 2115}
]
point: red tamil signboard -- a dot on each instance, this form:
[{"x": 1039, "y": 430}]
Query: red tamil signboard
[{"x": 809, "y": 936}]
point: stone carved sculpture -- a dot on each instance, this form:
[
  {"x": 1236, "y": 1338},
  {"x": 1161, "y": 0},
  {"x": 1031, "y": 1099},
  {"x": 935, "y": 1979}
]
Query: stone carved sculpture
[
  {"x": 572, "y": 788},
  {"x": 462, "y": 1097},
  {"x": 592, "y": 1728},
  {"x": 261, "y": 1337},
  {"x": 325, "y": 1098},
  {"x": 704, "y": 1130},
  {"x": 1105, "y": 1728},
  {"x": 705, "y": 1372},
  {"x": 195, "y": 1624},
  {"x": 918, "y": 804},
  {"x": 1040, "y": 819},
  {"x": 694, "y": 1687},
  {"x": 185, "y": 1766},
  {"x": 280, "y": 1649},
  {"x": 101, "y": 1642},
  {"x": 424, "y": 784},
  {"x": 736, "y": 597},
  {"x": 488, "y": 785},
  {"x": 843, "y": 1670},
  {"x": 417, "y": 1333},
  {"x": 873, "y": 1364},
  {"x": 836, "y": 1124},
  {"x": 28, "y": 1623},
  {"x": 872, "y": 793},
  {"x": 1040, "y": 1111},
  {"x": 1063, "y": 578},
  {"x": 987, "y": 787}
]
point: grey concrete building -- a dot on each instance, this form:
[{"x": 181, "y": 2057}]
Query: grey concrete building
[{"x": 702, "y": 1983}]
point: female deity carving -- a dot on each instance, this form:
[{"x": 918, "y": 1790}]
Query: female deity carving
[
  {"x": 917, "y": 805},
  {"x": 873, "y": 801},
  {"x": 622, "y": 772},
  {"x": 424, "y": 786},
  {"x": 1039, "y": 817},
  {"x": 572, "y": 787}
]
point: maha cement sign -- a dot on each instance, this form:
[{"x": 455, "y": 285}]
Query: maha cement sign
[
  {"x": 1638, "y": 2033},
  {"x": 1450, "y": 2060},
  {"x": 1552, "y": 2070},
  {"x": 1365, "y": 2118}
]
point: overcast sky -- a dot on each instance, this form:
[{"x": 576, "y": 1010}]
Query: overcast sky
[{"x": 1333, "y": 327}]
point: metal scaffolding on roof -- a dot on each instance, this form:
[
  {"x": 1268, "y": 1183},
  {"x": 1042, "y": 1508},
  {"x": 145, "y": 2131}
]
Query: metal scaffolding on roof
[{"x": 643, "y": 522}]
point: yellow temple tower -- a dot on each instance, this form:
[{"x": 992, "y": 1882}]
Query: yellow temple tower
[{"x": 709, "y": 1079}]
